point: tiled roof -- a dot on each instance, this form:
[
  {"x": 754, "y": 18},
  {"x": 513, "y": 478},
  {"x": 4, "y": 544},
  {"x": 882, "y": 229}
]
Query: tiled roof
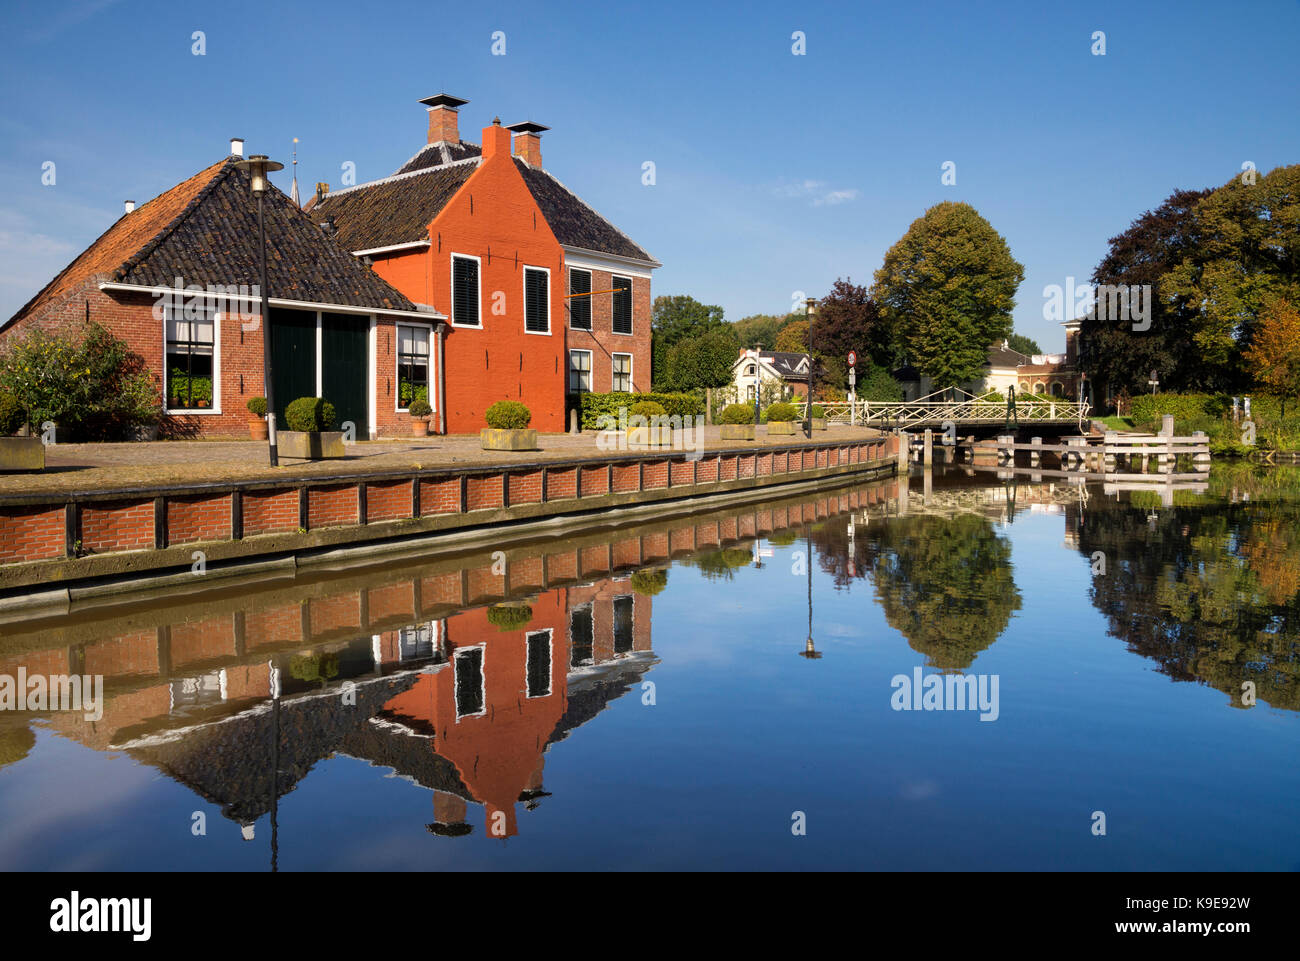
[
  {"x": 443, "y": 152},
  {"x": 1000, "y": 356},
  {"x": 399, "y": 209},
  {"x": 573, "y": 222},
  {"x": 783, "y": 362},
  {"x": 204, "y": 231},
  {"x": 396, "y": 210}
]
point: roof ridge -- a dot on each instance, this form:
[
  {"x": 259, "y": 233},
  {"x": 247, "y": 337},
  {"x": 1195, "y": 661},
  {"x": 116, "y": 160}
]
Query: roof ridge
[
  {"x": 591, "y": 208},
  {"x": 392, "y": 177},
  {"x": 151, "y": 245}
]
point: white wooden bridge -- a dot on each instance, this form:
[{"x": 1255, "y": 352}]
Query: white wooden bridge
[{"x": 936, "y": 410}]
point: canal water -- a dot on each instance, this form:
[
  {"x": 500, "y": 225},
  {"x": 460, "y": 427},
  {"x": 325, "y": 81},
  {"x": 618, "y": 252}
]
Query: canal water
[{"x": 969, "y": 671}]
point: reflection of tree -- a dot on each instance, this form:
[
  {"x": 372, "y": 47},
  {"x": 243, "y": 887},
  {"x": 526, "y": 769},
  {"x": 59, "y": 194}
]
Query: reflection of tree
[
  {"x": 1208, "y": 591},
  {"x": 720, "y": 564},
  {"x": 650, "y": 582},
  {"x": 15, "y": 743},
  {"x": 945, "y": 583},
  {"x": 313, "y": 668}
]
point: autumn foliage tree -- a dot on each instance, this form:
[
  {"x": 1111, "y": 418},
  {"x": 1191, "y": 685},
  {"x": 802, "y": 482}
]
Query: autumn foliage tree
[{"x": 1274, "y": 357}]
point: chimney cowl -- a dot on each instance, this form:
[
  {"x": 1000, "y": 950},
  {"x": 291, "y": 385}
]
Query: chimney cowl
[
  {"x": 528, "y": 141},
  {"x": 443, "y": 119},
  {"x": 130, "y": 206},
  {"x": 237, "y": 146}
]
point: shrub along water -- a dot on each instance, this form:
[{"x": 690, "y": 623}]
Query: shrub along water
[{"x": 737, "y": 414}]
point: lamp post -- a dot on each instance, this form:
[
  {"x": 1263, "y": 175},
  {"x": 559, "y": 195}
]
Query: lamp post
[
  {"x": 758, "y": 378},
  {"x": 809, "y": 650},
  {"x": 808, "y": 304},
  {"x": 257, "y": 167}
]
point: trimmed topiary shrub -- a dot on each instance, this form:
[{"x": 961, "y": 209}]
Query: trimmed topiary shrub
[
  {"x": 818, "y": 410},
  {"x": 508, "y": 415},
  {"x": 646, "y": 409},
  {"x": 737, "y": 414},
  {"x": 420, "y": 408},
  {"x": 781, "y": 412},
  {"x": 507, "y": 617},
  {"x": 11, "y": 414},
  {"x": 257, "y": 406},
  {"x": 310, "y": 415}
]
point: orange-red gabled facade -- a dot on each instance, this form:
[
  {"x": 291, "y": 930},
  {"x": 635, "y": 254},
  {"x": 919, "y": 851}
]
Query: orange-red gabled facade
[{"x": 494, "y": 219}]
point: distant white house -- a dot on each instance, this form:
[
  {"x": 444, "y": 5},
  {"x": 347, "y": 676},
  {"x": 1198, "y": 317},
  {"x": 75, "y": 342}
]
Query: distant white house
[{"x": 777, "y": 374}]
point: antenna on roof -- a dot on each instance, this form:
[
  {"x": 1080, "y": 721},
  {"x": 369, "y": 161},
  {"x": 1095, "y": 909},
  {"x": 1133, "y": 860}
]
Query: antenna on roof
[{"x": 293, "y": 194}]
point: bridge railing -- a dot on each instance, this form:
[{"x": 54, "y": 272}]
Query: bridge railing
[{"x": 906, "y": 413}]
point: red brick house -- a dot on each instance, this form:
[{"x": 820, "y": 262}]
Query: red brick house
[
  {"x": 492, "y": 240},
  {"x": 177, "y": 279}
]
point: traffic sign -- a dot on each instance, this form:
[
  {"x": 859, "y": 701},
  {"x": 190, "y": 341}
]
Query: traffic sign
[{"x": 853, "y": 358}]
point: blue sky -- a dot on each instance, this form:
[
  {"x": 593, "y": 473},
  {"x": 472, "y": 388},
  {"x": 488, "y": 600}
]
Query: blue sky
[{"x": 775, "y": 173}]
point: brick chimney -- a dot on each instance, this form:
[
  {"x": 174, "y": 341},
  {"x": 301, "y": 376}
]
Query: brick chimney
[
  {"x": 528, "y": 142},
  {"x": 496, "y": 139},
  {"x": 443, "y": 121}
]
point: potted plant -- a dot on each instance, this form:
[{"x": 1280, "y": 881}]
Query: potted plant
[
  {"x": 420, "y": 411},
  {"x": 256, "y": 418},
  {"x": 508, "y": 428},
  {"x": 651, "y": 431},
  {"x": 780, "y": 418},
  {"x": 310, "y": 435},
  {"x": 17, "y": 453},
  {"x": 140, "y": 407},
  {"x": 818, "y": 417},
  {"x": 737, "y": 422}
]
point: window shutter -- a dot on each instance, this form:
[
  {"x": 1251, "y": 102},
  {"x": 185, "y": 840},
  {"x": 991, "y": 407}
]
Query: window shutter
[
  {"x": 622, "y": 305},
  {"x": 536, "y": 317},
  {"x": 465, "y": 291},
  {"x": 580, "y": 307}
]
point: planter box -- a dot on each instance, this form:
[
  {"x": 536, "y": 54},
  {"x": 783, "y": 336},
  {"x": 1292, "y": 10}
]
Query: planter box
[
  {"x": 650, "y": 437},
  {"x": 144, "y": 433},
  {"x": 21, "y": 453},
  {"x": 819, "y": 423},
  {"x": 310, "y": 445},
  {"x": 737, "y": 431},
  {"x": 493, "y": 439},
  {"x": 783, "y": 427}
]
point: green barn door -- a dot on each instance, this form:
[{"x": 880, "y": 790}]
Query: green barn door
[
  {"x": 293, "y": 358},
  {"x": 345, "y": 358}
]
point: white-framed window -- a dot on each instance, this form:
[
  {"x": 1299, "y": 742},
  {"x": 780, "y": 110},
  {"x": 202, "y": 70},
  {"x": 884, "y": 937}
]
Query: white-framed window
[
  {"x": 621, "y": 373},
  {"x": 537, "y": 677},
  {"x": 471, "y": 689},
  {"x": 624, "y": 637},
  {"x": 537, "y": 300},
  {"x": 621, "y": 315},
  {"x": 466, "y": 291},
  {"x": 580, "y": 306},
  {"x": 413, "y": 366},
  {"x": 418, "y": 641},
  {"x": 582, "y": 635},
  {"x": 192, "y": 371},
  {"x": 579, "y": 371}
]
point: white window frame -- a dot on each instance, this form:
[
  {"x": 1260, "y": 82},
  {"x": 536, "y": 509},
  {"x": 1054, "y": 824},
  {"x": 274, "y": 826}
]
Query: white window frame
[
  {"x": 613, "y": 373},
  {"x": 397, "y": 355},
  {"x": 550, "y": 645},
  {"x": 482, "y": 680},
  {"x": 590, "y": 313},
  {"x": 631, "y": 306},
  {"x": 216, "y": 369},
  {"x": 547, "y": 272},
  {"x": 591, "y": 373},
  {"x": 451, "y": 260}
]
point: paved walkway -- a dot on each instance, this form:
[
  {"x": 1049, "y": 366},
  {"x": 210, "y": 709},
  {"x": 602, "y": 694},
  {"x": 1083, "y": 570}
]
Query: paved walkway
[{"x": 89, "y": 467}]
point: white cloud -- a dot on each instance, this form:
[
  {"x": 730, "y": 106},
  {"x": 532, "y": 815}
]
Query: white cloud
[{"x": 815, "y": 192}]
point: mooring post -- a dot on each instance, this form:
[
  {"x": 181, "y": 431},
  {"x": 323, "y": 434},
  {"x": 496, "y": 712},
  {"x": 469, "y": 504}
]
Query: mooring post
[
  {"x": 928, "y": 447},
  {"x": 1034, "y": 454},
  {"x": 573, "y": 421}
]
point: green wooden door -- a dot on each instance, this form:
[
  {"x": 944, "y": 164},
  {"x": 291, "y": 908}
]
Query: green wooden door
[
  {"x": 345, "y": 358},
  {"x": 293, "y": 358}
]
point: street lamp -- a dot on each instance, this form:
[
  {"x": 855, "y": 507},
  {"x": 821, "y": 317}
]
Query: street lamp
[
  {"x": 809, "y": 651},
  {"x": 756, "y": 354},
  {"x": 808, "y": 304},
  {"x": 257, "y": 167}
]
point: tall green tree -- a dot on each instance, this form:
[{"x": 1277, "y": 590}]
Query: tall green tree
[
  {"x": 675, "y": 318},
  {"x": 1025, "y": 345},
  {"x": 947, "y": 289},
  {"x": 701, "y": 362},
  {"x": 759, "y": 329},
  {"x": 1246, "y": 253}
]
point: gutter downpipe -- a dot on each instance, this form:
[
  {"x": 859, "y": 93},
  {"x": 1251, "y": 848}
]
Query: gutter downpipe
[{"x": 442, "y": 383}]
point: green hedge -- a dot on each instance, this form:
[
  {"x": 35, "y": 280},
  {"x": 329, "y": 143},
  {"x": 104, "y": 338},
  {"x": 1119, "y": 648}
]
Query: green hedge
[
  {"x": 594, "y": 406},
  {"x": 11, "y": 415},
  {"x": 508, "y": 415},
  {"x": 646, "y": 409},
  {"x": 310, "y": 414},
  {"x": 781, "y": 413}
]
